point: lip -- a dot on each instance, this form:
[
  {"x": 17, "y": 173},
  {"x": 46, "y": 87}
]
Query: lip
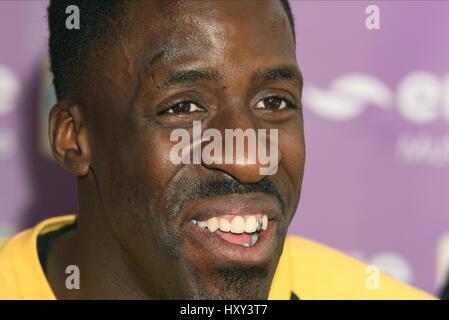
[
  {"x": 234, "y": 204},
  {"x": 222, "y": 251}
]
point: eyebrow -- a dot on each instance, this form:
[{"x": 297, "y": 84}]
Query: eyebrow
[
  {"x": 191, "y": 75},
  {"x": 269, "y": 74},
  {"x": 278, "y": 73}
]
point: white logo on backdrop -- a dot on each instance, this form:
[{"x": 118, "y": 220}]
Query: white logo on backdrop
[
  {"x": 347, "y": 97},
  {"x": 420, "y": 98},
  {"x": 423, "y": 148},
  {"x": 9, "y": 89}
]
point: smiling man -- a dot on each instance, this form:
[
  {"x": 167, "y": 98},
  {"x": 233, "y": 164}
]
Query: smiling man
[{"x": 149, "y": 227}]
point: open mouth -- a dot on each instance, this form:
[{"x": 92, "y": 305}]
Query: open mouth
[{"x": 236, "y": 229}]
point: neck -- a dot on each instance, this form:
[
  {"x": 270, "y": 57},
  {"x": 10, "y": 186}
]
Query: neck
[{"x": 106, "y": 271}]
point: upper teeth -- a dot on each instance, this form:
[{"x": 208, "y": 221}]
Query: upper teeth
[
  {"x": 224, "y": 225},
  {"x": 238, "y": 224},
  {"x": 202, "y": 224},
  {"x": 250, "y": 224},
  {"x": 212, "y": 224}
]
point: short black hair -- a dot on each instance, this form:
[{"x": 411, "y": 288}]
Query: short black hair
[{"x": 69, "y": 50}]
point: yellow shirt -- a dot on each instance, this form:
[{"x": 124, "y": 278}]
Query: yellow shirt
[{"x": 307, "y": 270}]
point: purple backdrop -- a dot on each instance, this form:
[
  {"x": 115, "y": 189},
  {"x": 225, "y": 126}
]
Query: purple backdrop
[{"x": 376, "y": 115}]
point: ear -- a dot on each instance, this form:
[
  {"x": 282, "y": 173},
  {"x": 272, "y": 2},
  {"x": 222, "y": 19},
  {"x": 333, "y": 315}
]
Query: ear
[{"x": 69, "y": 138}]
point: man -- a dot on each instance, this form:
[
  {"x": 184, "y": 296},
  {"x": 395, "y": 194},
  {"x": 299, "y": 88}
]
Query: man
[{"x": 150, "y": 227}]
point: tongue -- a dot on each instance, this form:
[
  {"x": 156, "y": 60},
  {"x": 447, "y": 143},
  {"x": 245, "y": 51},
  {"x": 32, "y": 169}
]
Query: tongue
[{"x": 234, "y": 238}]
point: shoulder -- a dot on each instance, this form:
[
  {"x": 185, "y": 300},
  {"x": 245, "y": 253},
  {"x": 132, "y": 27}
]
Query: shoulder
[
  {"x": 21, "y": 275},
  {"x": 320, "y": 272},
  {"x": 8, "y": 286}
]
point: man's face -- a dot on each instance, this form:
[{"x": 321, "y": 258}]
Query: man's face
[{"x": 228, "y": 64}]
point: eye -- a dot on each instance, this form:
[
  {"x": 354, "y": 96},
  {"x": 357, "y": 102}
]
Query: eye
[
  {"x": 274, "y": 103},
  {"x": 184, "y": 107}
]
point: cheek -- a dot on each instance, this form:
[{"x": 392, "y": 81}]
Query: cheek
[
  {"x": 292, "y": 150},
  {"x": 151, "y": 167},
  {"x": 142, "y": 173}
]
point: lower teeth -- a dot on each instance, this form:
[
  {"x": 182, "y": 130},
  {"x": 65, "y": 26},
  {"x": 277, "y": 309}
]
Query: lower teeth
[{"x": 254, "y": 238}]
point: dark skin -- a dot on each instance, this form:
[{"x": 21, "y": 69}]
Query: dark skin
[{"x": 115, "y": 137}]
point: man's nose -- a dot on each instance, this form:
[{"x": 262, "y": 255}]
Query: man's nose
[{"x": 236, "y": 159}]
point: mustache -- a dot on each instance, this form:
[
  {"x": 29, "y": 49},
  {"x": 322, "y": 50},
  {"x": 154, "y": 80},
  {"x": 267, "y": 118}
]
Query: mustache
[{"x": 218, "y": 186}]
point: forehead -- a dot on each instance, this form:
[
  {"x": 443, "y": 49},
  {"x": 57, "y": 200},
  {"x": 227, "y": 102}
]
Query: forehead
[
  {"x": 176, "y": 30},
  {"x": 156, "y": 38}
]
